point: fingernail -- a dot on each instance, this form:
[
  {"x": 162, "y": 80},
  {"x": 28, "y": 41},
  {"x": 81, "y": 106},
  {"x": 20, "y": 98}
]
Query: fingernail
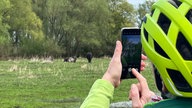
[
  {"x": 117, "y": 43},
  {"x": 133, "y": 86},
  {"x": 133, "y": 68}
]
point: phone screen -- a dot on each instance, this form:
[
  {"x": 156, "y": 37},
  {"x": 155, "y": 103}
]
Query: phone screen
[{"x": 131, "y": 53}]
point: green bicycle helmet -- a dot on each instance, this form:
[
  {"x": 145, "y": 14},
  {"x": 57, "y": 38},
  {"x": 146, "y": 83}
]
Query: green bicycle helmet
[{"x": 166, "y": 36}]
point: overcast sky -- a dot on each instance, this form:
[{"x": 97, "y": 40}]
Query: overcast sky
[{"x": 135, "y": 2}]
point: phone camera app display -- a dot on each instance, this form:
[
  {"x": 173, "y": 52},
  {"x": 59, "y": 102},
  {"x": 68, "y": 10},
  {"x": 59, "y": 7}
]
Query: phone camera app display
[{"x": 130, "y": 54}]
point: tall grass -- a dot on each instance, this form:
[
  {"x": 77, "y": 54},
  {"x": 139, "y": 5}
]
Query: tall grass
[{"x": 34, "y": 83}]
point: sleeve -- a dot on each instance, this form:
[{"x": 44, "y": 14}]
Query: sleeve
[{"x": 100, "y": 95}]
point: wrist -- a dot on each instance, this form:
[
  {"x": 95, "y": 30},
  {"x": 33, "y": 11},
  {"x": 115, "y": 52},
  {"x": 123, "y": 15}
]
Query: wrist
[
  {"x": 114, "y": 82},
  {"x": 108, "y": 79}
]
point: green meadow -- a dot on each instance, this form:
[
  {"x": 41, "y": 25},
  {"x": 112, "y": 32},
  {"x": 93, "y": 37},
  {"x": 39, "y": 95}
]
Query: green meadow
[{"x": 37, "y": 83}]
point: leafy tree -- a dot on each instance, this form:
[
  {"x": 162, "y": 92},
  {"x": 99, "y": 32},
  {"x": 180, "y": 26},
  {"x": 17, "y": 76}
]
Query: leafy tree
[
  {"x": 143, "y": 9},
  {"x": 23, "y": 22},
  {"x": 4, "y": 7},
  {"x": 54, "y": 15},
  {"x": 4, "y": 35},
  {"x": 79, "y": 26},
  {"x": 84, "y": 25},
  {"x": 122, "y": 15},
  {"x": 93, "y": 26}
]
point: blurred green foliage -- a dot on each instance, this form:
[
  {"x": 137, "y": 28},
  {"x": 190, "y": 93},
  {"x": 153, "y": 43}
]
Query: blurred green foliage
[{"x": 64, "y": 27}]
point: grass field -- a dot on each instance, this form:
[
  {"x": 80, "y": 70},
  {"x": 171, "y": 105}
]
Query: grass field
[{"x": 26, "y": 83}]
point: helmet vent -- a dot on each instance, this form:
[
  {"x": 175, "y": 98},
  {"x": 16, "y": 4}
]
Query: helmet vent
[
  {"x": 175, "y": 3},
  {"x": 179, "y": 81},
  {"x": 152, "y": 12},
  {"x": 160, "y": 50},
  {"x": 189, "y": 16},
  {"x": 146, "y": 34},
  {"x": 158, "y": 79},
  {"x": 184, "y": 47},
  {"x": 164, "y": 23}
]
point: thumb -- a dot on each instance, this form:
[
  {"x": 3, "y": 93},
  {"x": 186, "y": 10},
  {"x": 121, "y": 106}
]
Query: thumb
[{"x": 118, "y": 50}]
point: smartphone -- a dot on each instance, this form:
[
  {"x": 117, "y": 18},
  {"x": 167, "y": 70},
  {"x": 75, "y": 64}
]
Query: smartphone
[{"x": 131, "y": 52}]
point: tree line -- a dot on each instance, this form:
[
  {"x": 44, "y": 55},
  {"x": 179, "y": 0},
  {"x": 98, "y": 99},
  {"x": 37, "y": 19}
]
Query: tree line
[{"x": 64, "y": 27}]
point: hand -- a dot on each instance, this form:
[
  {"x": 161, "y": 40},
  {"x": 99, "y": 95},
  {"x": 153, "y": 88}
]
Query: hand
[
  {"x": 113, "y": 72},
  {"x": 140, "y": 94}
]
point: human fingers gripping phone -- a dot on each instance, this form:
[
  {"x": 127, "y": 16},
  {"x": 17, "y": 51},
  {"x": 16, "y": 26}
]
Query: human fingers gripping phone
[{"x": 131, "y": 52}]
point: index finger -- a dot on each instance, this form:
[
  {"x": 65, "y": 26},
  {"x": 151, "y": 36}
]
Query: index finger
[{"x": 141, "y": 79}]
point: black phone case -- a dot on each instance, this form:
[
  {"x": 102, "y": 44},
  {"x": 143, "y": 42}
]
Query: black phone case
[{"x": 130, "y": 58}]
